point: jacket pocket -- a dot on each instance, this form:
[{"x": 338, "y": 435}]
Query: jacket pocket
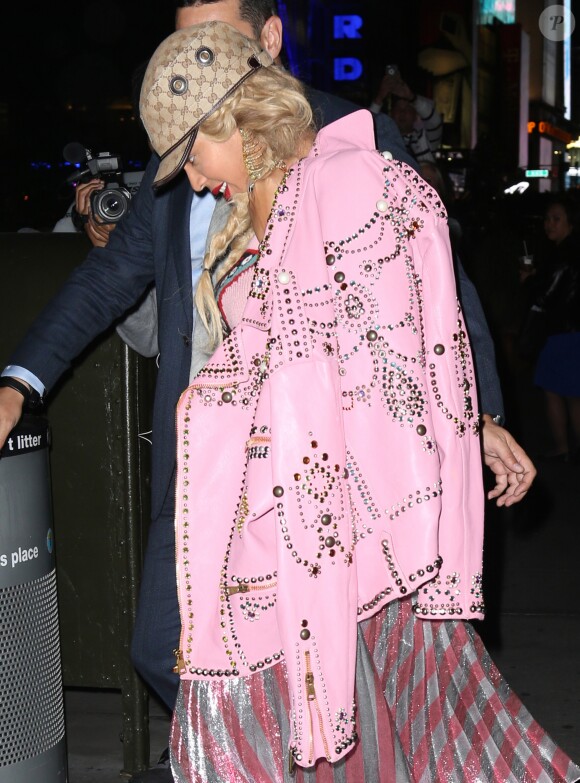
[{"x": 252, "y": 597}]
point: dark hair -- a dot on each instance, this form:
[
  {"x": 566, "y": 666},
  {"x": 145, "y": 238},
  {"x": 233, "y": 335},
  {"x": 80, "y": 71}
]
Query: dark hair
[
  {"x": 568, "y": 204},
  {"x": 255, "y": 12}
]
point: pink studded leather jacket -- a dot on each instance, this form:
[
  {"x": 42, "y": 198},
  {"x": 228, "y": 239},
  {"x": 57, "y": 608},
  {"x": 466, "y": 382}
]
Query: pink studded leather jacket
[{"x": 328, "y": 454}]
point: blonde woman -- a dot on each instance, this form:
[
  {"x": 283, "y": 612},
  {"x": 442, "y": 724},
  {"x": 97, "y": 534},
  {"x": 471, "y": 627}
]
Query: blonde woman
[{"x": 329, "y": 496}]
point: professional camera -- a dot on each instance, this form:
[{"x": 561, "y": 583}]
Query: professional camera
[
  {"x": 111, "y": 203},
  {"x": 114, "y": 200}
]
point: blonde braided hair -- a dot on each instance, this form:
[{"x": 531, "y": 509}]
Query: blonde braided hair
[{"x": 272, "y": 107}]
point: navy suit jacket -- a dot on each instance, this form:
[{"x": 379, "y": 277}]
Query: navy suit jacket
[{"x": 151, "y": 245}]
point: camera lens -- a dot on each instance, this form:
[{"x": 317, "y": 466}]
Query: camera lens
[{"x": 110, "y": 204}]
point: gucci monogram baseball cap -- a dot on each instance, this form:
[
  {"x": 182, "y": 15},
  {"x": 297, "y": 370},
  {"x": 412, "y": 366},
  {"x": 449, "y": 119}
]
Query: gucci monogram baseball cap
[{"x": 189, "y": 76}]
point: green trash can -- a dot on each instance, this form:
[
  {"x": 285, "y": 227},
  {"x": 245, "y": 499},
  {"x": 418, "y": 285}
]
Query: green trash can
[{"x": 32, "y": 726}]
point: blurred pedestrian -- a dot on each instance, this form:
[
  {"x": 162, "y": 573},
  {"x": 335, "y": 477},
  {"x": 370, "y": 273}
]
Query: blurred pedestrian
[
  {"x": 421, "y": 125},
  {"x": 557, "y": 369}
]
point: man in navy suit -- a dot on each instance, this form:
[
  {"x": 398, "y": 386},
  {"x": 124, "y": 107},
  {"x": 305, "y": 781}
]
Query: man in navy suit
[{"x": 162, "y": 241}]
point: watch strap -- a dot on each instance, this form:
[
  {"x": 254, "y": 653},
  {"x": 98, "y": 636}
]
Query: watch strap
[{"x": 31, "y": 397}]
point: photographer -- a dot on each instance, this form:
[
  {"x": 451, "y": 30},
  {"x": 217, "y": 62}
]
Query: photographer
[
  {"x": 139, "y": 327},
  {"x": 101, "y": 201},
  {"x": 79, "y": 216}
]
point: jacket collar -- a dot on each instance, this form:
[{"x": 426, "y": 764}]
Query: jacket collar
[{"x": 355, "y": 131}]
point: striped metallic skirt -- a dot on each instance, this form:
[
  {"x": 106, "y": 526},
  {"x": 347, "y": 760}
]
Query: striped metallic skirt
[{"x": 431, "y": 707}]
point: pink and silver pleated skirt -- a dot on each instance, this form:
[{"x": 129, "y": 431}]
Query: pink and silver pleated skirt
[{"x": 431, "y": 708}]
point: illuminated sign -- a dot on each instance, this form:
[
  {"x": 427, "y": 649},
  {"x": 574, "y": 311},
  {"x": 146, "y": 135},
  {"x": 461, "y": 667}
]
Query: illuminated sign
[
  {"x": 547, "y": 129},
  {"x": 347, "y": 26},
  {"x": 347, "y": 68},
  {"x": 502, "y": 10},
  {"x": 519, "y": 187},
  {"x": 537, "y": 173}
]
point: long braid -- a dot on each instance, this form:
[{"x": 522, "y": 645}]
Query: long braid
[{"x": 233, "y": 240}]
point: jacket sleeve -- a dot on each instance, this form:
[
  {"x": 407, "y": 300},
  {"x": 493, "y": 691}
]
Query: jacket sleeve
[
  {"x": 487, "y": 379},
  {"x": 450, "y": 368},
  {"x": 99, "y": 291}
]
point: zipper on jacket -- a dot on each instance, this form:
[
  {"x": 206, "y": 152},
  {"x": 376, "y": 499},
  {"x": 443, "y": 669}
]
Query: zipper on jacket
[
  {"x": 313, "y": 703},
  {"x": 243, "y": 587},
  {"x": 257, "y": 440},
  {"x": 180, "y": 666}
]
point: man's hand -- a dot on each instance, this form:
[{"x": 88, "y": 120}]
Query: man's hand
[
  {"x": 83, "y": 195},
  {"x": 97, "y": 232},
  {"x": 393, "y": 85},
  {"x": 514, "y": 470},
  {"x": 11, "y": 404}
]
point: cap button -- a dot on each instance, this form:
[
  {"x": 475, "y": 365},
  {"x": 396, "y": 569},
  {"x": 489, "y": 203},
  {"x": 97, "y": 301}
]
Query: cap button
[
  {"x": 178, "y": 85},
  {"x": 204, "y": 56}
]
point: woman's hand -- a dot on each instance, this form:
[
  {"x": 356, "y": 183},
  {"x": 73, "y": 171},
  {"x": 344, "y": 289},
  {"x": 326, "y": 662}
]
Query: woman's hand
[{"x": 514, "y": 471}]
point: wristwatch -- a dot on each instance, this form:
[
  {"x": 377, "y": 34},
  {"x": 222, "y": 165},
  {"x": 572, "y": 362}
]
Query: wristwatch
[
  {"x": 498, "y": 419},
  {"x": 32, "y": 398}
]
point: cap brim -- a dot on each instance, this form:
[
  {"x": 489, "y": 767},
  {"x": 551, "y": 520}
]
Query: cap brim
[{"x": 175, "y": 159}]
